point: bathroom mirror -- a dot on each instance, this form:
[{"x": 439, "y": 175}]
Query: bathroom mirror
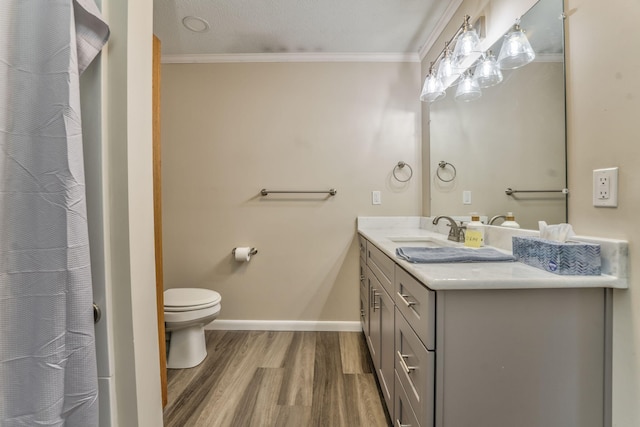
[{"x": 513, "y": 136}]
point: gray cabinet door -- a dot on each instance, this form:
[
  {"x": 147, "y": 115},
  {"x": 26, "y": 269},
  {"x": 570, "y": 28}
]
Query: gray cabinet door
[
  {"x": 387, "y": 347},
  {"x": 526, "y": 358}
]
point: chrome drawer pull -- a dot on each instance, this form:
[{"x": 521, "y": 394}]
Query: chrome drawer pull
[
  {"x": 399, "y": 424},
  {"x": 362, "y": 312},
  {"x": 406, "y": 368},
  {"x": 362, "y": 278},
  {"x": 405, "y": 300},
  {"x": 375, "y": 294}
]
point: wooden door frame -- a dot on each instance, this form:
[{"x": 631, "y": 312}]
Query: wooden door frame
[{"x": 157, "y": 216}]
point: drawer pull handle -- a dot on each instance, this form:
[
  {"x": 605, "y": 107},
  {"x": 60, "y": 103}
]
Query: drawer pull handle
[
  {"x": 362, "y": 278},
  {"x": 399, "y": 424},
  {"x": 405, "y": 300},
  {"x": 375, "y": 295},
  {"x": 406, "y": 368},
  {"x": 362, "y": 312}
]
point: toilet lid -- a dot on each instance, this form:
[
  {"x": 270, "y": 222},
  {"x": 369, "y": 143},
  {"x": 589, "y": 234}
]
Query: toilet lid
[{"x": 190, "y": 297}]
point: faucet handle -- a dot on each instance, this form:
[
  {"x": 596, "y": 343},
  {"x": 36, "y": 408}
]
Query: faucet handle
[{"x": 461, "y": 233}]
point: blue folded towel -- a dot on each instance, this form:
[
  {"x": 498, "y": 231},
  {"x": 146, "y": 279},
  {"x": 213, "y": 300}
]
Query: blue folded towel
[{"x": 447, "y": 254}]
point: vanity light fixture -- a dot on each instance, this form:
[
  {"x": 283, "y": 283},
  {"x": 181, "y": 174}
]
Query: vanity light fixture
[
  {"x": 516, "y": 50},
  {"x": 433, "y": 89},
  {"x": 487, "y": 72},
  {"x": 468, "y": 89},
  {"x": 467, "y": 42},
  {"x": 448, "y": 69},
  {"x": 452, "y": 62}
]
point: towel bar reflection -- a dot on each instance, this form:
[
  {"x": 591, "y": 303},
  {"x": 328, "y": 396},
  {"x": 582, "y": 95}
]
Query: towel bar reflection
[
  {"x": 510, "y": 191},
  {"x": 331, "y": 192}
]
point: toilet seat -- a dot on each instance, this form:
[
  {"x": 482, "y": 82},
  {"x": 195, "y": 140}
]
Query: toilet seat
[{"x": 189, "y": 299}]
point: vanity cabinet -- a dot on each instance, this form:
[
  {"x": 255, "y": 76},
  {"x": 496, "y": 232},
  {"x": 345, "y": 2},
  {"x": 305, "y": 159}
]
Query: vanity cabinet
[
  {"x": 379, "y": 272},
  {"x": 487, "y": 357}
]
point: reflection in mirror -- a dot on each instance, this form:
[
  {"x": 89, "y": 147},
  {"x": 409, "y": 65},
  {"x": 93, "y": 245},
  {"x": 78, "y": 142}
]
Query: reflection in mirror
[{"x": 513, "y": 136}]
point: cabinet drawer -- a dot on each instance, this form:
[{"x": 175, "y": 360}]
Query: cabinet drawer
[
  {"x": 418, "y": 305},
  {"x": 382, "y": 266},
  {"x": 403, "y": 413},
  {"x": 415, "y": 368},
  {"x": 363, "y": 247}
]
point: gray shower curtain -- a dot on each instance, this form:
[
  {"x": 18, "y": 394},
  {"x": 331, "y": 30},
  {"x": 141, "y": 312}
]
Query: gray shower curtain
[{"x": 48, "y": 374}]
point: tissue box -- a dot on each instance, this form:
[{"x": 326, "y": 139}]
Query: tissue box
[{"x": 568, "y": 258}]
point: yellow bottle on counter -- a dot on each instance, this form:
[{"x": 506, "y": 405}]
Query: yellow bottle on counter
[{"x": 474, "y": 235}]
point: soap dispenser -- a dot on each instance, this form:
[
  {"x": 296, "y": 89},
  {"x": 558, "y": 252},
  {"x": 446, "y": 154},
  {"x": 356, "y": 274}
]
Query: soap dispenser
[
  {"x": 510, "y": 221},
  {"x": 474, "y": 235}
]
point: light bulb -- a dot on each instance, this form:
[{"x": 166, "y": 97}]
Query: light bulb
[
  {"x": 468, "y": 89},
  {"x": 516, "y": 50},
  {"x": 432, "y": 89},
  {"x": 487, "y": 72},
  {"x": 448, "y": 69},
  {"x": 467, "y": 43}
]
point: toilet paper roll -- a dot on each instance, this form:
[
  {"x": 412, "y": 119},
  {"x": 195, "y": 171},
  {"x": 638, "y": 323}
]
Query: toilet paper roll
[{"x": 243, "y": 254}]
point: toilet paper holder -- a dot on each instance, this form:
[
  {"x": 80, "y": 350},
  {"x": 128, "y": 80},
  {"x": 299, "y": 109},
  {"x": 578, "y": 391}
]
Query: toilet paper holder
[{"x": 252, "y": 252}]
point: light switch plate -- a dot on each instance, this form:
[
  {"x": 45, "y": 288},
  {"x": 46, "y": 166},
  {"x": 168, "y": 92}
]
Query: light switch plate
[
  {"x": 376, "y": 198},
  {"x": 466, "y": 197},
  {"x": 605, "y": 187}
]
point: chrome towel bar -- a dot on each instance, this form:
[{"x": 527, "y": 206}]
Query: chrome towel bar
[
  {"x": 331, "y": 191},
  {"x": 510, "y": 191}
]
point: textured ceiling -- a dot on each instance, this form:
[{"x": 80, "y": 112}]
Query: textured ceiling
[{"x": 287, "y": 26}]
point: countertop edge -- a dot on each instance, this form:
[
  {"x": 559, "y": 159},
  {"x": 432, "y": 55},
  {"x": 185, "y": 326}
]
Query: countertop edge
[{"x": 498, "y": 275}]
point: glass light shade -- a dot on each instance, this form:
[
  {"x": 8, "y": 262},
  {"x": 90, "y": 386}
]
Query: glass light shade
[
  {"x": 516, "y": 50},
  {"x": 467, "y": 43},
  {"x": 468, "y": 89},
  {"x": 432, "y": 90},
  {"x": 488, "y": 72},
  {"x": 448, "y": 70}
]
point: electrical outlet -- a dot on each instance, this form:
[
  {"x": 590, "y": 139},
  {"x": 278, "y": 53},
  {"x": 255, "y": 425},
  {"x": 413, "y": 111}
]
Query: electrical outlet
[
  {"x": 605, "y": 187},
  {"x": 376, "y": 198}
]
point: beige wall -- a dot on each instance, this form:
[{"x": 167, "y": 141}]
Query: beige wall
[
  {"x": 230, "y": 130},
  {"x": 603, "y": 100}
]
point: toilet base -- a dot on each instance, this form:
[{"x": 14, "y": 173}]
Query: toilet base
[{"x": 187, "y": 347}]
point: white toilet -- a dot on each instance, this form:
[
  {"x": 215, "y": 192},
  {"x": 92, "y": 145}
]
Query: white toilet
[{"x": 186, "y": 312}]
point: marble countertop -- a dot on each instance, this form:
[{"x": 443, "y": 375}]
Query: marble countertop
[{"x": 385, "y": 233}]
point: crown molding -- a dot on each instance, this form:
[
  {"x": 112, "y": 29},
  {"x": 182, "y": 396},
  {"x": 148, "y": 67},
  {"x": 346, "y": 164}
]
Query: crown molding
[
  {"x": 440, "y": 26},
  {"x": 290, "y": 57}
]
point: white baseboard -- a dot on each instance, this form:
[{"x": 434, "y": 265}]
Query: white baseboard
[{"x": 283, "y": 325}]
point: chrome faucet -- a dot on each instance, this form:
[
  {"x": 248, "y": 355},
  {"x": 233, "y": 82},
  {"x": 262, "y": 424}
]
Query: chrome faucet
[
  {"x": 456, "y": 232},
  {"x": 493, "y": 219}
]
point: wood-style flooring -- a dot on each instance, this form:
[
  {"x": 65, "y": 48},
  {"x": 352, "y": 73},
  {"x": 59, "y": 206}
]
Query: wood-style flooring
[{"x": 265, "y": 378}]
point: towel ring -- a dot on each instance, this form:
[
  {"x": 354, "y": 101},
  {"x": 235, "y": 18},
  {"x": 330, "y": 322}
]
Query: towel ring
[
  {"x": 443, "y": 165},
  {"x": 399, "y": 166}
]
